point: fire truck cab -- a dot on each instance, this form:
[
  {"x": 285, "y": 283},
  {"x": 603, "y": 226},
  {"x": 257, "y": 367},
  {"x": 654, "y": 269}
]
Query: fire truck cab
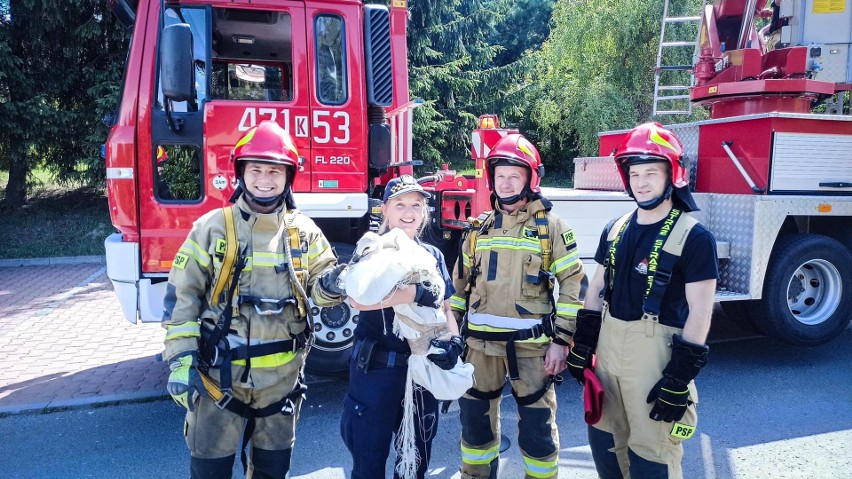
[{"x": 202, "y": 72}]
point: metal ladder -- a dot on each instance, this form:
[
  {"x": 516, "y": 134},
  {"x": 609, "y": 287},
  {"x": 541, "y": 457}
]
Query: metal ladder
[{"x": 662, "y": 100}]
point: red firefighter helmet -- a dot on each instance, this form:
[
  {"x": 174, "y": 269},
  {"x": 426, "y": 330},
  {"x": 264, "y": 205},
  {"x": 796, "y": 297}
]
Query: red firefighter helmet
[
  {"x": 162, "y": 156},
  {"x": 652, "y": 143},
  {"x": 515, "y": 150},
  {"x": 266, "y": 143}
]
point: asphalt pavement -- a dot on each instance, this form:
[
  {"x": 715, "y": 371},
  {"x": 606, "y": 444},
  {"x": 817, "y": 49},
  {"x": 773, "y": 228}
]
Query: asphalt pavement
[{"x": 768, "y": 410}]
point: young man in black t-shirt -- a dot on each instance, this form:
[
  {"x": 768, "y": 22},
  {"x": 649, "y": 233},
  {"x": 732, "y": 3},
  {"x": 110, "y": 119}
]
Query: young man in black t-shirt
[{"x": 648, "y": 325}]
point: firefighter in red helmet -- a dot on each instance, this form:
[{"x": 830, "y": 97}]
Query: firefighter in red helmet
[
  {"x": 511, "y": 260},
  {"x": 236, "y": 314},
  {"x": 649, "y": 322}
]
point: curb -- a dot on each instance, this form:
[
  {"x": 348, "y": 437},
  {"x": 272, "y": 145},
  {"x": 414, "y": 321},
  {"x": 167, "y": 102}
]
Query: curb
[
  {"x": 54, "y": 261},
  {"x": 48, "y": 407}
]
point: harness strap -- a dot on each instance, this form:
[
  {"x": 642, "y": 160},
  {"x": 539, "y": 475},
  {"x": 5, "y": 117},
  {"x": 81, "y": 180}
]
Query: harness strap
[
  {"x": 671, "y": 250},
  {"x": 534, "y": 397},
  {"x": 662, "y": 258},
  {"x": 510, "y": 337},
  {"x": 230, "y": 255},
  {"x": 484, "y": 395},
  {"x": 543, "y": 239},
  {"x": 224, "y": 400}
]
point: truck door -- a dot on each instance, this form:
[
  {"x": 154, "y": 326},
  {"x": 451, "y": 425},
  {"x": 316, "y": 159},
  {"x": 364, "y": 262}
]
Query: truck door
[
  {"x": 338, "y": 157},
  {"x": 249, "y": 65}
]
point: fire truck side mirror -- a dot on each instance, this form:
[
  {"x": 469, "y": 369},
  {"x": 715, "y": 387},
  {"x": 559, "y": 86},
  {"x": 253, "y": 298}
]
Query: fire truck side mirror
[{"x": 176, "y": 72}]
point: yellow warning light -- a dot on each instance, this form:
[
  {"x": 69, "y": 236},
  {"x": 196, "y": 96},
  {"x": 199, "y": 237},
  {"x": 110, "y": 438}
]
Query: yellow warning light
[
  {"x": 488, "y": 122},
  {"x": 165, "y": 264},
  {"x": 824, "y": 208}
]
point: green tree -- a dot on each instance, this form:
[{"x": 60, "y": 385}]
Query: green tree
[
  {"x": 60, "y": 63},
  {"x": 595, "y": 72},
  {"x": 453, "y": 47}
]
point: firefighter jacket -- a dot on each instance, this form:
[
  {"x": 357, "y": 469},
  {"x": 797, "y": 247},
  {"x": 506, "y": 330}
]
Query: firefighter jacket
[
  {"x": 509, "y": 291},
  {"x": 188, "y": 304}
]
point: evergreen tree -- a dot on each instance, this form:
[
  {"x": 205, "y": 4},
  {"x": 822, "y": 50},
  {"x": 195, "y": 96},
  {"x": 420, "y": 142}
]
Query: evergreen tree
[{"x": 60, "y": 63}]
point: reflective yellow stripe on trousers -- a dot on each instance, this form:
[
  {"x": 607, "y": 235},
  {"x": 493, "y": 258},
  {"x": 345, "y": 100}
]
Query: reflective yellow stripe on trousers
[
  {"x": 475, "y": 456},
  {"x": 543, "y": 469}
]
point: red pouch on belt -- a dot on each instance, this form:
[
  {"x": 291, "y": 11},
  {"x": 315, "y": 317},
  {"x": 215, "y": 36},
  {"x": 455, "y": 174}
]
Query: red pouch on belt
[{"x": 593, "y": 396}]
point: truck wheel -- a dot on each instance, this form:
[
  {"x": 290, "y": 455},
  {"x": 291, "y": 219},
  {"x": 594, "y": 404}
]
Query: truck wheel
[
  {"x": 739, "y": 312},
  {"x": 333, "y": 331},
  {"x": 807, "y": 292}
]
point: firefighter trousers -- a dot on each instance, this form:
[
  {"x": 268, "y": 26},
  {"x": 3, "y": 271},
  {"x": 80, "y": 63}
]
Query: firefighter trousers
[
  {"x": 214, "y": 435},
  {"x": 538, "y": 437},
  {"x": 626, "y": 441}
]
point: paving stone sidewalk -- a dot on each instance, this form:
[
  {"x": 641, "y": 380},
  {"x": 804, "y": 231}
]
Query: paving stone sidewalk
[{"x": 64, "y": 341}]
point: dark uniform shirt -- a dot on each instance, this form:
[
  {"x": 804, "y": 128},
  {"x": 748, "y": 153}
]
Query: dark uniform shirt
[
  {"x": 370, "y": 324},
  {"x": 697, "y": 262}
]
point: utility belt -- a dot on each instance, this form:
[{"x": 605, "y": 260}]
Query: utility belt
[
  {"x": 368, "y": 355},
  {"x": 510, "y": 337},
  {"x": 224, "y": 399},
  {"x": 221, "y": 355}
]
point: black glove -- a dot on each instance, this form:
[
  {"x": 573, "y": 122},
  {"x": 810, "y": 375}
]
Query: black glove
[
  {"x": 331, "y": 281},
  {"x": 452, "y": 350},
  {"x": 671, "y": 393},
  {"x": 585, "y": 342},
  {"x": 423, "y": 296}
]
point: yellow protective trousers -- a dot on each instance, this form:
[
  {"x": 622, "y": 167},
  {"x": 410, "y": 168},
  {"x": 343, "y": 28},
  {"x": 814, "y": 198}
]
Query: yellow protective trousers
[
  {"x": 538, "y": 437},
  {"x": 631, "y": 359},
  {"x": 213, "y": 433}
]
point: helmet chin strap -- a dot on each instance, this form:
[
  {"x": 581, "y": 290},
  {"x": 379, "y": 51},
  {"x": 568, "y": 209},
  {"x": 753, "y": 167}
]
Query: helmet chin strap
[
  {"x": 262, "y": 201},
  {"x": 526, "y": 193},
  {"x": 651, "y": 204}
]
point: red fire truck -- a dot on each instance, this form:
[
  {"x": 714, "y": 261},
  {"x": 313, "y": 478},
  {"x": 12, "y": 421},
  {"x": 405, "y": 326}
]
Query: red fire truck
[{"x": 201, "y": 72}]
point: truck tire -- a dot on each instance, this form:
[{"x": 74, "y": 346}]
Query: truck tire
[
  {"x": 807, "y": 291},
  {"x": 739, "y": 313},
  {"x": 333, "y": 331}
]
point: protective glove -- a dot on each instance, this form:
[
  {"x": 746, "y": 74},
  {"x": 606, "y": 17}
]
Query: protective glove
[
  {"x": 452, "y": 349},
  {"x": 331, "y": 280},
  {"x": 184, "y": 380},
  {"x": 671, "y": 393},
  {"x": 423, "y": 296},
  {"x": 585, "y": 343}
]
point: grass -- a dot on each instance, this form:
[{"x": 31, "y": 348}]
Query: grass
[{"x": 55, "y": 221}]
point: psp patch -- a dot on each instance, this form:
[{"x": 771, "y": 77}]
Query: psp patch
[
  {"x": 180, "y": 261},
  {"x": 682, "y": 431},
  {"x": 220, "y": 246}
]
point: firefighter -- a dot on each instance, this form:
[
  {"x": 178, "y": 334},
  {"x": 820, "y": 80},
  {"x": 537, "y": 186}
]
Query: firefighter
[
  {"x": 510, "y": 262},
  {"x": 648, "y": 325},
  {"x": 373, "y": 406},
  {"x": 236, "y": 314}
]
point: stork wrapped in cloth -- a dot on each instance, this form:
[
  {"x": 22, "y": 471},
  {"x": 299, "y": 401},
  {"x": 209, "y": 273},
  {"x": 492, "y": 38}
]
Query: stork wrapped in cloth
[{"x": 380, "y": 265}]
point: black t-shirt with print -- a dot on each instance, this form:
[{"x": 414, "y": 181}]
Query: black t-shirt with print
[
  {"x": 378, "y": 324},
  {"x": 697, "y": 262}
]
